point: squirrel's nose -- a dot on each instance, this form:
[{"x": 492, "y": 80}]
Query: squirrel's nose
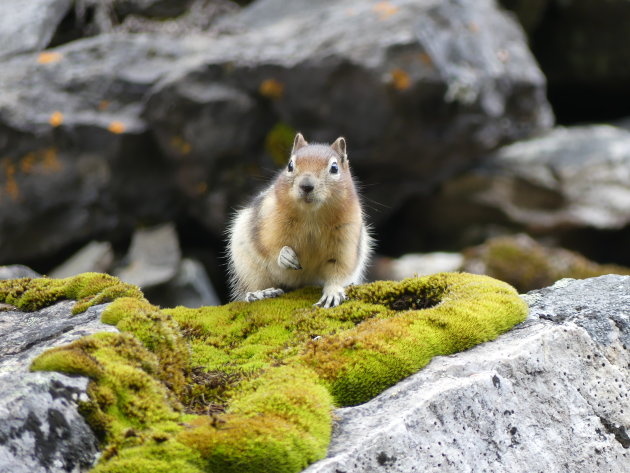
[{"x": 307, "y": 186}]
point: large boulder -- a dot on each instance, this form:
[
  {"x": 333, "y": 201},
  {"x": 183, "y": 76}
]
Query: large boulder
[
  {"x": 78, "y": 159},
  {"x": 102, "y": 133},
  {"x": 551, "y": 395}
]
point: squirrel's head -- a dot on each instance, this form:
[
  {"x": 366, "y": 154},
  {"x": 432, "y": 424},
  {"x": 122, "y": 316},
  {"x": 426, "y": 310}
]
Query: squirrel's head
[{"x": 317, "y": 173}]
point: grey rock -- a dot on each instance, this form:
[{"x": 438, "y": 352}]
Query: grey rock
[
  {"x": 26, "y": 334},
  {"x": 41, "y": 430},
  {"x": 415, "y": 264},
  {"x": 153, "y": 258},
  {"x": 601, "y": 306},
  {"x": 16, "y": 271},
  {"x": 570, "y": 177},
  {"x": 565, "y": 182},
  {"x": 40, "y": 426},
  {"x": 78, "y": 158},
  {"x": 550, "y": 395},
  {"x": 96, "y": 256},
  {"x": 190, "y": 287},
  {"x": 29, "y": 26}
]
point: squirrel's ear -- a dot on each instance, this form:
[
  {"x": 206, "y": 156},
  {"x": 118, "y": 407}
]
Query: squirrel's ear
[
  {"x": 340, "y": 147},
  {"x": 298, "y": 142}
]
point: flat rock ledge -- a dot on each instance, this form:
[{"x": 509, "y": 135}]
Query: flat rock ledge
[
  {"x": 550, "y": 395},
  {"x": 41, "y": 429}
]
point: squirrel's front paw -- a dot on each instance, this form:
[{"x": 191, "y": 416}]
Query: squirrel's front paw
[
  {"x": 287, "y": 259},
  {"x": 264, "y": 294},
  {"x": 332, "y": 297}
]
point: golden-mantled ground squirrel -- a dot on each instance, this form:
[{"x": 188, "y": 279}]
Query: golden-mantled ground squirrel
[{"x": 306, "y": 228}]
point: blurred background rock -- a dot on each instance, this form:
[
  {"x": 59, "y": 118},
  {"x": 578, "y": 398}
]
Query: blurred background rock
[{"x": 130, "y": 130}]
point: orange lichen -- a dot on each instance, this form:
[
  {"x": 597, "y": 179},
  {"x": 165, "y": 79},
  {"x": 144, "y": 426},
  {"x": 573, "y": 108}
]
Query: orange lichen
[
  {"x": 116, "y": 127},
  {"x": 56, "y": 119},
  {"x": 27, "y": 163},
  {"x": 385, "y": 10},
  {"x": 271, "y": 88},
  {"x": 400, "y": 79},
  {"x": 425, "y": 58},
  {"x": 180, "y": 145},
  {"x": 50, "y": 161},
  {"x": 49, "y": 57},
  {"x": 43, "y": 161},
  {"x": 11, "y": 186}
]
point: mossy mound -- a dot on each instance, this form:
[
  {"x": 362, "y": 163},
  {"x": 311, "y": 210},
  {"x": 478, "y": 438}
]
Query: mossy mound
[
  {"x": 87, "y": 289},
  {"x": 419, "y": 319},
  {"x": 251, "y": 386},
  {"x": 527, "y": 265}
]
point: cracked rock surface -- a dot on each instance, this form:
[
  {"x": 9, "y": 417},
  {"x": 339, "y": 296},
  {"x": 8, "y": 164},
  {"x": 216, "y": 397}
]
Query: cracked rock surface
[
  {"x": 551, "y": 395},
  {"x": 41, "y": 429}
]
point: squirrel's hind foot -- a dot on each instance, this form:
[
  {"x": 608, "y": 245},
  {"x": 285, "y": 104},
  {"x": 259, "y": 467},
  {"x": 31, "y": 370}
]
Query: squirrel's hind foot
[{"x": 263, "y": 294}]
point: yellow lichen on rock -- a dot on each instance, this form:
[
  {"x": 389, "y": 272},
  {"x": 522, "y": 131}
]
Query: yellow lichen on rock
[{"x": 252, "y": 386}]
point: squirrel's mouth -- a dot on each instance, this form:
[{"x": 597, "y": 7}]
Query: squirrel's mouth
[{"x": 308, "y": 199}]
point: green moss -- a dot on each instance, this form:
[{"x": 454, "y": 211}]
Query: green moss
[
  {"x": 160, "y": 454},
  {"x": 462, "y": 311},
  {"x": 252, "y": 386},
  {"x": 278, "y": 421},
  {"x": 87, "y": 289},
  {"x": 159, "y": 334},
  {"x": 279, "y": 142}
]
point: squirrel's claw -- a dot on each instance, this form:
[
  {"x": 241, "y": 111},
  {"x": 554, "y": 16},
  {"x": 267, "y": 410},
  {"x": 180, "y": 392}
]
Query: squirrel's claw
[
  {"x": 287, "y": 259},
  {"x": 331, "y": 298},
  {"x": 263, "y": 294}
]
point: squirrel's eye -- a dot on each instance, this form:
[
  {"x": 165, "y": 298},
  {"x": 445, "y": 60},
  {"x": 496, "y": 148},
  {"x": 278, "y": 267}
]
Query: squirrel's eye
[
  {"x": 290, "y": 166},
  {"x": 334, "y": 168}
]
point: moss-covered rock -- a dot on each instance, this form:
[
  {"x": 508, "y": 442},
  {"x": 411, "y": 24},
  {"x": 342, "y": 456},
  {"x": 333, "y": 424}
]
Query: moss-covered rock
[
  {"x": 528, "y": 265},
  {"x": 87, "y": 289},
  {"x": 419, "y": 319},
  {"x": 252, "y": 386}
]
